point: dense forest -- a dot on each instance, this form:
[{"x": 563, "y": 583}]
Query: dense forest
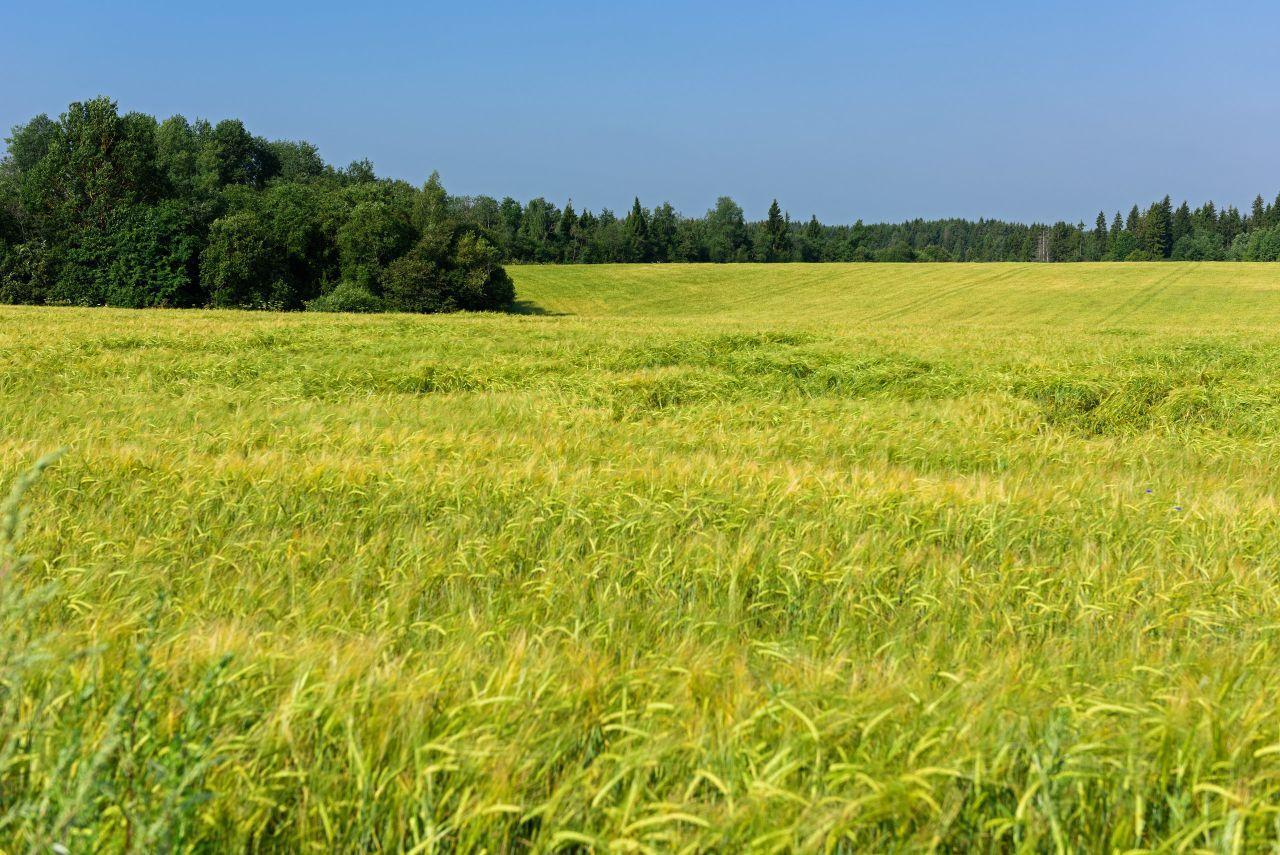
[
  {"x": 541, "y": 232},
  {"x": 103, "y": 208},
  {"x": 99, "y": 208}
]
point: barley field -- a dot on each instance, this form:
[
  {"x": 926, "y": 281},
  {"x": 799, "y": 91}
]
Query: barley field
[{"x": 787, "y": 558}]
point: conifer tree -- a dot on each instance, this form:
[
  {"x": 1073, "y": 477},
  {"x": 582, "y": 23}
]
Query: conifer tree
[
  {"x": 1181, "y": 222},
  {"x": 567, "y": 233},
  {"x": 1206, "y": 217},
  {"x": 637, "y": 227},
  {"x": 1230, "y": 224},
  {"x": 812, "y": 250},
  {"x": 1134, "y": 221},
  {"x": 1158, "y": 229},
  {"x": 1122, "y": 241},
  {"x": 777, "y": 244}
]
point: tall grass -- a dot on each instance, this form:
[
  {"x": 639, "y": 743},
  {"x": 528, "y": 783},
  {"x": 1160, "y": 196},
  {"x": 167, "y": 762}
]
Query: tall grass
[{"x": 964, "y": 557}]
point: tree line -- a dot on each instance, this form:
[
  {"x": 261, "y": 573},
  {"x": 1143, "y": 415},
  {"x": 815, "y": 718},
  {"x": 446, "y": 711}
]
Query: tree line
[
  {"x": 539, "y": 232},
  {"x": 103, "y": 208},
  {"x": 100, "y": 208}
]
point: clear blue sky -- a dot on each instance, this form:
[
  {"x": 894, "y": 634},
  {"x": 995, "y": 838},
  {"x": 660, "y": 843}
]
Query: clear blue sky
[{"x": 883, "y": 111}]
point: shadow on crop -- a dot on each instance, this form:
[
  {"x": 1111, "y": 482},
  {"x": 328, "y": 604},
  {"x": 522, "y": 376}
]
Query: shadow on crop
[{"x": 528, "y": 307}]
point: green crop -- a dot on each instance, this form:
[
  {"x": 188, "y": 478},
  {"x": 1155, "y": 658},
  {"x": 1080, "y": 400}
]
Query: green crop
[{"x": 832, "y": 558}]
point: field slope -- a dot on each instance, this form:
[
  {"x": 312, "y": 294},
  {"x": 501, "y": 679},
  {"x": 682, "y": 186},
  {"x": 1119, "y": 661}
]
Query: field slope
[
  {"x": 784, "y": 558},
  {"x": 1202, "y": 296}
]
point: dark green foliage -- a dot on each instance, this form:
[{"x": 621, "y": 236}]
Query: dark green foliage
[
  {"x": 1114, "y": 237},
  {"x": 898, "y": 251},
  {"x": 240, "y": 264},
  {"x": 297, "y": 161},
  {"x": 99, "y": 208},
  {"x": 143, "y": 256},
  {"x": 568, "y": 233},
  {"x": 178, "y": 153},
  {"x": 230, "y": 155},
  {"x": 727, "y": 238},
  {"x": 1182, "y": 223},
  {"x": 29, "y": 143},
  {"x": 934, "y": 254},
  {"x": 811, "y": 240},
  {"x": 374, "y": 235},
  {"x": 1230, "y": 224},
  {"x": 723, "y": 235},
  {"x": 1140, "y": 255},
  {"x": 477, "y": 275},
  {"x": 1199, "y": 245},
  {"x": 347, "y": 297},
  {"x": 359, "y": 172},
  {"x": 1157, "y": 230},
  {"x": 775, "y": 240},
  {"x": 301, "y": 220},
  {"x": 1123, "y": 245},
  {"x": 446, "y": 271},
  {"x": 432, "y": 208},
  {"x": 95, "y": 162},
  {"x": 1259, "y": 245},
  {"x": 636, "y": 234},
  {"x": 664, "y": 231},
  {"x": 26, "y": 272}
]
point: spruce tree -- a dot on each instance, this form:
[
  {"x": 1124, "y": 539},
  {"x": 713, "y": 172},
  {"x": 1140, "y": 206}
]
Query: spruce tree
[
  {"x": 567, "y": 233},
  {"x": 1122, "y": 241},
  {"x": 637, "y": 226},
  {"x": 1181, "y": 222},
  {"x": 1206, "y": 217},
  {"x": 1158, "y": 229},
  {"x": 1258, "y": 216},
  {"x": 777, "y": 246},
  {"x": 586, "y": 235},
  {"x": 1230, "y": 224},
  {"x": 813, "y": 239},
  {"x": 1134, "y": 221}
]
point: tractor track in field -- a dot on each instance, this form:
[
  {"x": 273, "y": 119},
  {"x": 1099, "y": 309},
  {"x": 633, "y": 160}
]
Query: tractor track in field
[
  {"x": 919, "y": 302},
  {"x": 1145, "y": 296}
]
